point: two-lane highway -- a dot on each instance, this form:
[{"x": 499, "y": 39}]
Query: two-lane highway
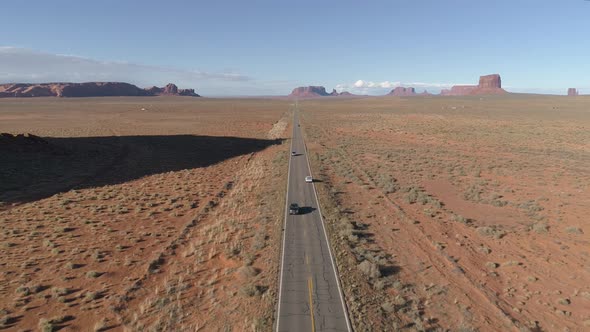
[{"x": 310, "y": 298}]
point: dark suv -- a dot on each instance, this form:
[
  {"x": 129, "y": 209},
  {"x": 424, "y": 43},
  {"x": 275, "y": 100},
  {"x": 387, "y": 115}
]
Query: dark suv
[{"x": 293, "y": 208}]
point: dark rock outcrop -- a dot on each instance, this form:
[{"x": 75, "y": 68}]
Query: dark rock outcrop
[
  {"x": 309, "y": 92},
  {"x": 89, "y": 89},
  {"x": 99, "y": 89},
  {"x": 403, "y": 92},
  {"x": 171, "y": 90},
  {"x": 188, "y": 92},
  {"x": 154, "y": 91},
  {"x": 572, "y": 92}
]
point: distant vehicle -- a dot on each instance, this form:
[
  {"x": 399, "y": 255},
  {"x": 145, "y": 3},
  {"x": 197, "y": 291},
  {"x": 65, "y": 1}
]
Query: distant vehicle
[
  {"x": 308, "y": 179},
  {"x": 293, "y": 153},
  {"x": 293, "y": 208}
]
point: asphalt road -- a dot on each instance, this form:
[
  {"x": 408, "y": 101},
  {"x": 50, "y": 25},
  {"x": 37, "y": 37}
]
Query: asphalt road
[{"x": 310, "y": 298}]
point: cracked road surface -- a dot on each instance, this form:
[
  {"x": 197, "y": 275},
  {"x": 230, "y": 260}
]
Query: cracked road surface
[{"x": 309, "y": 297}]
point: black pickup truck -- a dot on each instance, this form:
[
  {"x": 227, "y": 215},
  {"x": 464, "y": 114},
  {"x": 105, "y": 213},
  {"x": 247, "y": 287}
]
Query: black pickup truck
[{"x": 293, "y": 208}]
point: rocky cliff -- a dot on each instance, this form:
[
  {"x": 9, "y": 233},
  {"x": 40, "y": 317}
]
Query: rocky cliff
[
  {"x": 171, "y": 90},
  {"x": 309, "y": 92},
  {"x": 403, "y": 92},
  {"x": 459, "y": 90},
  {"x": 89, "y": 89},
  {"x": 488, "y": 84},
  {"x": 492, "y": 81}
]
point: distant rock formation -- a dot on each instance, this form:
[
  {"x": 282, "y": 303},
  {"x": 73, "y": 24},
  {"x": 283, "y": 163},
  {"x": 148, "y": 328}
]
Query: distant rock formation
[
  {"x": 171, "y": 90},
  {"x": 492, "y": 81},
  {"x": 89, "y": 89},
  {"x": 403, "y": 92},
  {"x": 459, "y": 90},
  {"x": 309, "y": 92},
  {"x": 488, "y": 84},
  {"x": 572, "y": 92},
  {"x": 317, "y": 91}
]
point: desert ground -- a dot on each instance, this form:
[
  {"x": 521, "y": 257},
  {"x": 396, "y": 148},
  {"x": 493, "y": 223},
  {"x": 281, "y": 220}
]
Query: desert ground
[
  {"x": 165, "y": 213},
  {"x": 457, "y": 213},
  {"x": 141, "y": 214}
]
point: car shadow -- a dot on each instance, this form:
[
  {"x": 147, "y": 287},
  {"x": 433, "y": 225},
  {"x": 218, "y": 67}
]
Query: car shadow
[
  {"x": 306, "y": 209},
  {"x": 34, "y": 167}
]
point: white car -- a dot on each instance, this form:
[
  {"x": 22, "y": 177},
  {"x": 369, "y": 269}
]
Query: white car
[{"x": 308, "y": 179}]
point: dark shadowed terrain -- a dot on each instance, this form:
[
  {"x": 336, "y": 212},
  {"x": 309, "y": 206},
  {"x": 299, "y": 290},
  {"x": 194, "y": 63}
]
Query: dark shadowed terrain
[{"x": 34, "y": 167}]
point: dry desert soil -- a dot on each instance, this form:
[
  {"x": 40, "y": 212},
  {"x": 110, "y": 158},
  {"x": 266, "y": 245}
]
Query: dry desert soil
[
  {"x": 165, "y": 213},
  {"x": 457, "y": 213},
  {"x": 141, "y": 214}
]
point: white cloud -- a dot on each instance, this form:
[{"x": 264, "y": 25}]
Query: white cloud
[
  {"x": 31, "y": 66},
  {"x": 379, "y": 88}
]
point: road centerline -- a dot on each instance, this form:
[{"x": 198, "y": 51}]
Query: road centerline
[{"x": 305, "y": 240}]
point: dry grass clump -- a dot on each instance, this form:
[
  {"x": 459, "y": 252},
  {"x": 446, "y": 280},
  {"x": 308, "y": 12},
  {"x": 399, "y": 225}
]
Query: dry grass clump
[
  {"x": 540, "y": 228},
  {"x": 60, "y": 291},
  {"x": 417, "y": 195},
  {"x": 491, "y": 231},
  {"x": 370, "y": 269},
  {"x": 93, "y": 274},
  {"x": 247, "y": 271},
  {"x": 250, "y": 290},
  {"x": 574, "y": 230},
  {"x": 53, "y": 324}
]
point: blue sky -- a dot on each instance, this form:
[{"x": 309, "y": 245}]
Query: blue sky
[{"x": 269, "y": 47}]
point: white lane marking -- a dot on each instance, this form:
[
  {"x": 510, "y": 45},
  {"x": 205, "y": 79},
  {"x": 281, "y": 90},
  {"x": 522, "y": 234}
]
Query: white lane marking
[
  {"x": 327, "y": 241},
  {"x": 285, "y": 226}
]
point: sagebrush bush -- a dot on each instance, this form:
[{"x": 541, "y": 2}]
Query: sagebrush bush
[{"x": 370, "y": 269}]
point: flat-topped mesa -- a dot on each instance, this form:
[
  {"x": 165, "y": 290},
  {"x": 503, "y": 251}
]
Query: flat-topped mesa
[
  {"x": 459, "y": 90},
  {"x": 99, "y": 89},
  {"x": 490, "y": 81},
  {"x": 88, "y": 89},
  {"x": 572, "y": 92},
  {"x": 309, "y": 92},
  {"x": 488, "y": 84},
  {"x": 400, "y": 91}
]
